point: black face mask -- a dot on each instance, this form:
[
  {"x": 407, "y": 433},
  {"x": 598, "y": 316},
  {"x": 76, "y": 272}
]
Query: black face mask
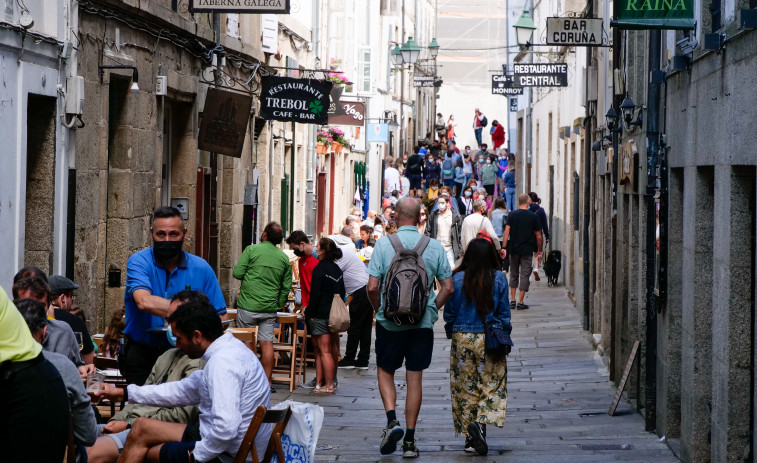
[
  {"x": 167, "y": 250},
  {"x": 299, "y": 253}
]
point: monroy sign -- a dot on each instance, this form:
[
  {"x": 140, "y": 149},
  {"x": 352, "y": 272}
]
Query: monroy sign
[
  {"x": 240, "y": 6},
  {"x": 503, "y": 85},
  {"x": 298, "y": 100},
  {"x": 540, "y": 75},
  {"x": 582, "y": 32}
]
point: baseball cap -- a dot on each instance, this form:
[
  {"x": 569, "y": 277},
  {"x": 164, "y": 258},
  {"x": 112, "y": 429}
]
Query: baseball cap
[{"x": 60, "y": 284}]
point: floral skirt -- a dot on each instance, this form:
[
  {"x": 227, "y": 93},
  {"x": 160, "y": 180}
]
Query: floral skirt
[{"x": 478, "y": 383}]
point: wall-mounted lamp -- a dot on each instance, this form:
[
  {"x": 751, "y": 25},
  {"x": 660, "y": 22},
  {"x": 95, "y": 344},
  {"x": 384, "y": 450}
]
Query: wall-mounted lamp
[
  {"x": 627, "y": 108},
  {"x": 611, "y": 118},
  {"x": 135, "y": 74},
  {"x": 602, "y": 143},
  {"x": 524, "y": 29}
]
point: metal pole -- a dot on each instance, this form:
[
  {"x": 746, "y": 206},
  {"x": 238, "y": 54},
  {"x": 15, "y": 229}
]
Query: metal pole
[
  {"x": 614, "y": 343},
  {"x": 653, "y": 148},
  {"x": 402, "y": 88}
]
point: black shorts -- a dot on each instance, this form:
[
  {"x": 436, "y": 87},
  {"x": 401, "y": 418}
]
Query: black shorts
[
  {"x": 489, "y": 189},
  {"x": 413, "y": 346},
  {"x": 415, "y": 181},
  {"x": 178, "y": 452}
]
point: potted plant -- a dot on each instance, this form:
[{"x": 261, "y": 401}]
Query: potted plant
[
  {"x": 324, "y": 139},
  {"x": 337, "y": 135}
]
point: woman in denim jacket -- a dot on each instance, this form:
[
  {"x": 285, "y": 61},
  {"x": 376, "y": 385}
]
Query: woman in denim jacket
[{"x": 478, "y": 381}]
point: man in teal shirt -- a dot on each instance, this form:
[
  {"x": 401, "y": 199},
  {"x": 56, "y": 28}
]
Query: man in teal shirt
[
  {"x": 266, "y": 281},
  {"x": 412, "y": 344}
]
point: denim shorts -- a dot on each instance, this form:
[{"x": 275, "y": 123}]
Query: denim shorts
[{"x": 119, "y": 437}]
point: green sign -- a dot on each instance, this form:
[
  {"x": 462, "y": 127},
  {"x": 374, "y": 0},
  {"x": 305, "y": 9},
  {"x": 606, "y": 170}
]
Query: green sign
[{"x": 656, "y": 14}]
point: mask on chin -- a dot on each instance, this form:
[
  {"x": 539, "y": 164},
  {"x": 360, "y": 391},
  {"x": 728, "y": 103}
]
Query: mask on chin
[
  {"x": 170, "y": 336},
  {"x": 166, "y": 250}
]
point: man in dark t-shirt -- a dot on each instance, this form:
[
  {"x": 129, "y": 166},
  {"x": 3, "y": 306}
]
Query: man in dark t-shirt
[
  {"x": 524, "y": 232},
  {"x": 61, "y": 295},
  {"x": 415, "y": 170}
]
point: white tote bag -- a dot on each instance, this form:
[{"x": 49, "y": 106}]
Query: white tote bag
[{"x": 301, "y": 434}]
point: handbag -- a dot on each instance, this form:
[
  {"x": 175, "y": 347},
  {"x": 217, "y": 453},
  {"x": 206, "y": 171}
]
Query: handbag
[
  {"x": 496, "y": 341},
  {"x": 339, "y": 318}
]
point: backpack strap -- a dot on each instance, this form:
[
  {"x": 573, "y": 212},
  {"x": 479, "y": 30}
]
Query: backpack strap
[
  {"x": 396, "y": 243},
  {"x": 420, "y": 247}
]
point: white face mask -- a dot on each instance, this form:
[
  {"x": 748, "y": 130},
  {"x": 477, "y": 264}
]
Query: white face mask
[
  {"x": 442, "y": 207},
  {"x": 488, "y": 161}
]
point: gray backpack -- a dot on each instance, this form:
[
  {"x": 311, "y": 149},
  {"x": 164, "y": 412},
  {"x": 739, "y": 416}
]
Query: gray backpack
[{"x": 406, "y": 283}]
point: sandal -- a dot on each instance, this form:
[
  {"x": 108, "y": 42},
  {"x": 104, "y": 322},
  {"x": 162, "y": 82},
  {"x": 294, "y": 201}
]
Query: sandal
[{"x": 323, "y": 390}]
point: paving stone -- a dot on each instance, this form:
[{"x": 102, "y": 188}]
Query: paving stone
[{"x": 559, "y": 394}]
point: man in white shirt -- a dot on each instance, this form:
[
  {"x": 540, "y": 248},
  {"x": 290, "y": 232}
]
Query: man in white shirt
[
  {"x": 228, "y": 391},
  {"x": 476, "y": 222},
  {"x": 392, "y": 180}
]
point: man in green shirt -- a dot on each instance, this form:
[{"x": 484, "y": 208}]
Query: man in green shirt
[{"x": 266, "y": 281}]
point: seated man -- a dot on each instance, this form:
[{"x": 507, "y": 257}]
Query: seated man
[
  {"x": 172, "y": 365},
  {"x": 59, "y": 337},
  {"x": 228, "y": 390},
  {"x": 85, "y": 425}
]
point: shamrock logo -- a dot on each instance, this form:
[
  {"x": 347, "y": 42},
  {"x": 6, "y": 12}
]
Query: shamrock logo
[{"x": 316, "y": 107}]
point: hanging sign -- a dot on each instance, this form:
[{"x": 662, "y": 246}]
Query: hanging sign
[
  {"x": 239, "y": 6},
  {"x": 513, "y": 105},
  {"x": 582, "y": 32},
  {"x": 540, "y": 75},
  {"x": 335, "y": 106},
  {"x": 224, "y": 122},
  {"x": 353, "y": 113},
  {"x": 503, "y": 85},
  {"x": 377, "y": 133},
  {"x": 299, "y": 100},
  {"x": 655, "y": 14}
]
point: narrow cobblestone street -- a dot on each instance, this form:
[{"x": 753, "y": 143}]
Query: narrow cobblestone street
[{"x": 557, "y": 408}]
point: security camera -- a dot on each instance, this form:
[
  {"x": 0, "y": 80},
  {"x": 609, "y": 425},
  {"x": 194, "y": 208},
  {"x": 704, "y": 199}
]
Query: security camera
[
  {"x": 310, "y": 46},
  {"x": 687, "y": 45}
]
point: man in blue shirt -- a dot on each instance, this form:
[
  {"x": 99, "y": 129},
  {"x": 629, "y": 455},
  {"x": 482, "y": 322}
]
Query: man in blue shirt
[
  {"x": 153, "y": 276},
  {"x": 509, "y": 179},
  {"x": 412, "y": 344}
]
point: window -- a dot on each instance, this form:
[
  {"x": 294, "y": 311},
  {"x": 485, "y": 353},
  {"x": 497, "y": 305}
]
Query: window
[
  {"x": 715, "y": 11},
  {"x": 364, "y": 71}
]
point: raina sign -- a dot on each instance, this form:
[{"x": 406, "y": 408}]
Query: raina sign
[{"x": 656, "y": 14}]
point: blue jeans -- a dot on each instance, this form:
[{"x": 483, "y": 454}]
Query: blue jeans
[
  {"x": 449, "y": 182},
  {"x": 478, "y": 131},
  {"x": 510, "y": 198}
]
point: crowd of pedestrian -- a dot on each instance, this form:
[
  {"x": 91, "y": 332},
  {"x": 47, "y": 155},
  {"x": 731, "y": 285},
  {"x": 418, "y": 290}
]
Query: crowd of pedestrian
[{"x": 442, "y": 240}]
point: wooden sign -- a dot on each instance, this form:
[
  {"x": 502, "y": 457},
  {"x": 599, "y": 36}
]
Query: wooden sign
[
  {"x": 224, "y": 122},
  {"x": 628, "y": 152},
  {"x": 624, "y": 379}
]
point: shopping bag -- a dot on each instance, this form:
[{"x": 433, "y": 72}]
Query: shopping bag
[
  {"x": 301, "y": 434},
  {"x": 339, "y": 318}
]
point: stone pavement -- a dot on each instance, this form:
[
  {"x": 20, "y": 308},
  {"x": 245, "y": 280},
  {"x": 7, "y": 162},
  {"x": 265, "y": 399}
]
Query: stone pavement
[{"x": 557, "y": 407}]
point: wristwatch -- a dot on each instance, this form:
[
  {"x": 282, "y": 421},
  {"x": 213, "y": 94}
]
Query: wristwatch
[{"x": 129, "y": 422}]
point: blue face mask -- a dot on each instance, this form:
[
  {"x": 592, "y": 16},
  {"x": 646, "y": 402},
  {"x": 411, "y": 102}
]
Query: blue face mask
[
  {"x": 171, "y": 337},
  {"x": 468, "y": 194},
  {"x": 315, "y": 253}
]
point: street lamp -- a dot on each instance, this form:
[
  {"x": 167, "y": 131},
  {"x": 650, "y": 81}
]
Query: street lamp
[
  {"x": 396, "y": 55},
  {"x": 433, "y": 48},
  {"x": 627, "y": 108},
  {"x": 410, "y": 51},
  {"x": 611, "y": 118},
  {"x": 524, "y": 29}
]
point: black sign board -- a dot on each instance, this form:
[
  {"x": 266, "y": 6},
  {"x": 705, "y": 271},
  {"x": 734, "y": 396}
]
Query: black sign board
[
  {"x": 425, "y": 81},
  {"x": 514, "y": 105},
  {"x": 300, "y": 100},
  {"x": 335, "y": 107},
  {"x": 224, "y": 122},
  {"x": 240, "y": 6},
  {"x": 540, "y": 75},
  {"x": 503, "y": 85}
]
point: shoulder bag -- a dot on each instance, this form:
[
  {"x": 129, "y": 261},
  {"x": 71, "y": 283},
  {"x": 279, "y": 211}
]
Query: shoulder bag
[{"x": 496, "y": 341}]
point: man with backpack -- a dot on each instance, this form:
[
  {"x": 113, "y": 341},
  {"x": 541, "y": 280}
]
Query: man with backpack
[
  {"x": 448, "y": 168},
  {"x": 407, "y": 263},
  {"x": 479, "y": 122}
]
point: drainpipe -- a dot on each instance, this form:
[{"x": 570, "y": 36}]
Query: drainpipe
[
  {"x": 587, "y": 184},
  {"x": 653, "y": 148},
  {"x": 615, "y": 359}
]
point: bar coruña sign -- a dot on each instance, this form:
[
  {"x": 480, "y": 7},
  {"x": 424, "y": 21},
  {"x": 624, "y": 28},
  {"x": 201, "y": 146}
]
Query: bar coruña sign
[{"x": 299, "y": 100}]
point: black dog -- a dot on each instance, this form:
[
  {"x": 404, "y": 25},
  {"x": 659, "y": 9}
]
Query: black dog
[{"x": 552, "y": 267}]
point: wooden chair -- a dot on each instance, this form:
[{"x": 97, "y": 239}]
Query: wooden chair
[
  {"x": 304, "y": 356},
  {"x": 249, "y": 336},
  {"x": 285, "y": 342},
  {"x": 279, "y": 418}
]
